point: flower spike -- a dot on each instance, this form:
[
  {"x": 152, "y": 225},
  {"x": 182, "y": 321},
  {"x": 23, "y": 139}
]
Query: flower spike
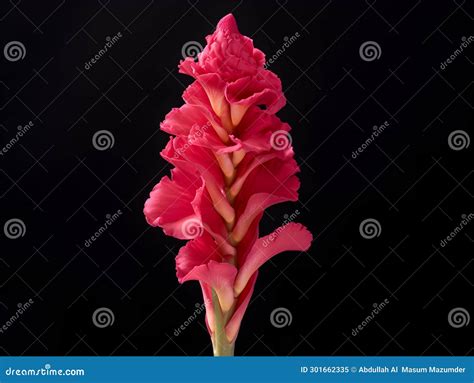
[{"x": 233, "y": 159}]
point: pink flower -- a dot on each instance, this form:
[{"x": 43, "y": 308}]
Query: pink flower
[{"x": 233, "y": 159}]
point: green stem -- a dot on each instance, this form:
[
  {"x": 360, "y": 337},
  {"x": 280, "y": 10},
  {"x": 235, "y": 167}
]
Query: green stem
[
  {"x": 220, "y": 343},
  {"x": 221, "y": 346}
]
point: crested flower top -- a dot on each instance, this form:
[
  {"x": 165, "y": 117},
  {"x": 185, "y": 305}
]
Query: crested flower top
[
  {"x": 227, "y": 53},
  {"x": 233, "y": 159},
  {"x": 230, "y": 64}
]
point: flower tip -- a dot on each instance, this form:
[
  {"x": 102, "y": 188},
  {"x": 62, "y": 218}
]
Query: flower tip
[{"x": 228, "y": 24}]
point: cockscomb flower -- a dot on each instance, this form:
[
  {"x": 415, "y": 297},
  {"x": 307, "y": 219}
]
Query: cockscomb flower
[{"x": 232, "y": 159}]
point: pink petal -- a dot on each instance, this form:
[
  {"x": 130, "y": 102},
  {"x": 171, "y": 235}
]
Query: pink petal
[
  {"x": 189, "y": 67},
  {"x": 247, "y": 166},
  {"x": 195, "y": 94},
  {"x": 180, "y": 120},
  {"x": 196, "y": 252},
  {"x": 246, "y": 244},
  {"x": 213, "y": 223},
  {"x": 254, "y": 132},
  {"x": 233, "y": 326},
  {"x": 261, "y": 89},
  {"x": 220, "y": 277},
  {"x": 214, "y": 86},
  {"x": 193, "y": 159},
  {"x": 209, "y": 138},
  {"x": 169, "y": 205},
  {"x": 270, "y": 183},
  {"x": 291, "y": 237},
  {"x": 193, "y": 121}
]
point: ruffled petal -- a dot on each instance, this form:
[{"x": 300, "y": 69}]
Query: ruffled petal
[
  {"x": 193, "y": 122},
  {"x": 189, "y": 66},
  {"x": 180, "y": 120},
  {"x": 193, "y": 159},
  {"x": 262, "y": 89},
  {"x": 196, "y": 252},
  {"x": 291, "y": 237},
  {"x": 214, "y": 140},
  {"x": 169, "y": 205},
  {"x": 195, "y": 94}
]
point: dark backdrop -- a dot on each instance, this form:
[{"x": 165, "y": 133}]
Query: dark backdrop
[{"x": 409, "y": 179}]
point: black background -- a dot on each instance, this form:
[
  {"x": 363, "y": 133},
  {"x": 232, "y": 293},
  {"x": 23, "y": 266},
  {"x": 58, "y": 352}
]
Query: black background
[{"x": 409, "y": 179}]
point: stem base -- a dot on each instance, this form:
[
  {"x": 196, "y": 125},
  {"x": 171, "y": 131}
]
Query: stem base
[{"x": 221, "y": 346}]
